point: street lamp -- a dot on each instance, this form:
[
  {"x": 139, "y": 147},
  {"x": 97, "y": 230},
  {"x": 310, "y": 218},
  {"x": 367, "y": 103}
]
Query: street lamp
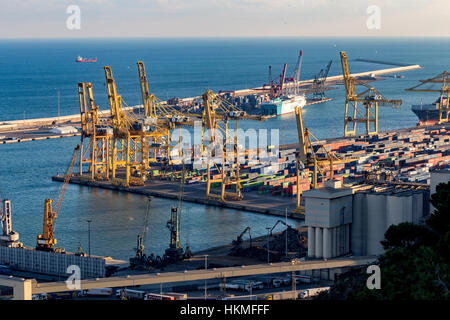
[
  {"x": 206, "y": 267},
  {"x": 268, "y": 234},
  {"x": 89, "y": 236}
]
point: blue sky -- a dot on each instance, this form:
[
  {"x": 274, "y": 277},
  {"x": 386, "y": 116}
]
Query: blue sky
[{"x": 223, "y": 18}]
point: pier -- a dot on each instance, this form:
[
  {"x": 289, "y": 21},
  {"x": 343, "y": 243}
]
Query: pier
[
  {"x": 37, "y": 129},
  {"x": 253, "y": 202}
]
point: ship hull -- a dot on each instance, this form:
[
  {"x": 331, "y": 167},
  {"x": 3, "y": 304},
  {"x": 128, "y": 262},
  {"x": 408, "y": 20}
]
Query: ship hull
[
  {"x": 427, "y": 114},
  {"x": 282, "y": 106}
]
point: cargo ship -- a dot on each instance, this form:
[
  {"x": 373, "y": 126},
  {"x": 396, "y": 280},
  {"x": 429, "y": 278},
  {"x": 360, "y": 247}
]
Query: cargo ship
[
  {"x": 428, "y": 113},
  {"x": 81, "y": 59},
  {"x": 283, "y": 105}
]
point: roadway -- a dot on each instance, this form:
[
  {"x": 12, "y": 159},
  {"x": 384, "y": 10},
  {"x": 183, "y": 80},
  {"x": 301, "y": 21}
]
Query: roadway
[{"x": 192, "y": 275}]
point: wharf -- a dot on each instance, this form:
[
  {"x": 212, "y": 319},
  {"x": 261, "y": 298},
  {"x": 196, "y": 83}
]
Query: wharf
[
  {"x": 253, "y": 202},
  {"x": 34, "y": 129},
  {"x": 32, "y": 134}
]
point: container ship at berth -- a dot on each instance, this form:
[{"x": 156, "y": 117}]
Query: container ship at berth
[
  {"x": 283, "y": 105},
  {"x": 81, "y": 59},
  {"x": 428, "y": 114}
]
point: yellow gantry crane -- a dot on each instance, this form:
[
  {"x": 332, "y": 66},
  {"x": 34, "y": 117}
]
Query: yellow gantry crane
[
  {"x": 216, "y": 115},
  {"x": 313, "y": 155},
  {"x": 215, "y": 119},
  {"x": 96, "y": 153},
  {"x": 160, "y": 115},
  {"x": 367, "y": 101},
  {"x": 47, "y": 241},
  {"x": 132, "y": 137},
  {"x": 444, "y": 104}
]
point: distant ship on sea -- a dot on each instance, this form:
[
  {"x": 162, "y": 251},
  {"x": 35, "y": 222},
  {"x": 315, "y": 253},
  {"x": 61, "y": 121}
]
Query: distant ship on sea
[{"x": 81, "y": 59}]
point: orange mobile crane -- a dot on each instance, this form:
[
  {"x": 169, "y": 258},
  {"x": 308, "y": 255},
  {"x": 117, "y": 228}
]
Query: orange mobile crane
[{"x": 47, "y": 241}]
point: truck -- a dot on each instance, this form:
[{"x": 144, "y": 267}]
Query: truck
[
  {"x": 244, "y": 285},
  {"x": 303, "y": 279},
  {"x": 104, "y": 292},
  {"x": 311, "y": 292},
  {"x": 157, "y": 296},
  {"x": 270, "y": 282},
  {"x": 279, "y": 281},
  {"x": 131, "y": 294},
  {"x": 176, "y": 296},
  {"x": 61, "y": 295}
]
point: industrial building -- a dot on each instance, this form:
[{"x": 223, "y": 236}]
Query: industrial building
[
  {"x": 353, "y": 220},
  {"x": 51, "y": 263}
]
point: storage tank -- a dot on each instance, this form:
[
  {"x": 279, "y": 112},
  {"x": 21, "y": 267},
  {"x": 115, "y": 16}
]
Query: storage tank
[
  {"x": 311, "y": 242},
  {"x": 328, "y": 243},
  {"x": 319, "y": 243},
  {"x": 376, "y": 222}
]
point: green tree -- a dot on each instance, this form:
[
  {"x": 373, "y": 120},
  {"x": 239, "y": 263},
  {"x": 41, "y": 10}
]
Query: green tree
[
  {"x": 440, "y": 219},
  {"x": 409, "y": 236}
]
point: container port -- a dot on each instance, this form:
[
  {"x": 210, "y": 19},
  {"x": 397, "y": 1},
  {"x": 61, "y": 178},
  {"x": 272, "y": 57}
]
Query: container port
[{"x": 345, "y": 191}]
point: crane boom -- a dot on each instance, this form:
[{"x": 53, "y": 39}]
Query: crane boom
[
  {"x": 283, "y": 78},
  {"x": 147, "y": 99},
  {"x": 114, "y": 100},
  {"x": 46, "y": 240},
  {"x": 298, "y": 67},
  {"x": 67, "y": 176},
  {"x": 279, "y": 221}
]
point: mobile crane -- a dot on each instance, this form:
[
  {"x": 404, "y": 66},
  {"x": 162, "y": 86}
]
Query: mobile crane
[
  {"x": 238, "y": 240},
  {"x": 47, "y": 241},
  {"x": 140, "y": 261}
]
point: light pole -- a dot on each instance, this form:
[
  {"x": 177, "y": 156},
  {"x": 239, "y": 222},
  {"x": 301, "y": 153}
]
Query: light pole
[
  {"x": 206, "y": 267},
  {"x": 268, "y": 234},
  {"x": 89, "y": 236},
  {"x": 286, "y": 235}
]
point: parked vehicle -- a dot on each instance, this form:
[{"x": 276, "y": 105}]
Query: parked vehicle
[
  {"x": 61, "y": 295},
  {"x": 156, "y": 296},
  {"x": 106, "y": 292},
  {"x": 176, "y": 296},
  {"x": 244, "y": 285},
  {"x": 303, "y": 279},
  {"x": 311, "y": 292},
  {"x": 132, "y": 294}
]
